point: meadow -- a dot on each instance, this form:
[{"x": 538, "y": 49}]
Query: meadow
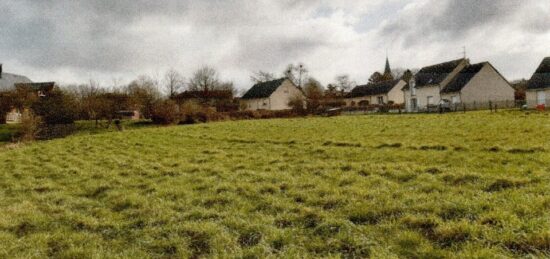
[{"x": 381, "y": 186}]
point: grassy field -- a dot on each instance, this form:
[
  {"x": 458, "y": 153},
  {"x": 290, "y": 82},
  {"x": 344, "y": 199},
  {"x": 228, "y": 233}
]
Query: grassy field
[{"x": 410, "y": 186}]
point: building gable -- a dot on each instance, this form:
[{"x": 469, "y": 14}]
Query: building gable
[
  {"x": 437, "y": 74},
  {"x": 463, "y": 78},
  {"x": 374, "y": 89},
  {"x": 541, "y": 77},
  {"x": 263, "y": 90}
]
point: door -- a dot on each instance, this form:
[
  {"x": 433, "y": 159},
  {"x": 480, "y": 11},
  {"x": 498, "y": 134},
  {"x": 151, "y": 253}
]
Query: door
[
  {"x": 414, "y": 104},
  {"x": 541, "y": 97}
]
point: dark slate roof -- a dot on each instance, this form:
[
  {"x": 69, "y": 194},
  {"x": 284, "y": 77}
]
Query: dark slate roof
[
  {"x": 373, "y": 89},
  {"x": 43, "y": 86},
  {"x": 263, "y": 90},
  {"x": 541, "y": 78},
  {"x": 463, "y": 78},
  {"x": 216, "y": 94},
  {"x": 435, "y": 74}
]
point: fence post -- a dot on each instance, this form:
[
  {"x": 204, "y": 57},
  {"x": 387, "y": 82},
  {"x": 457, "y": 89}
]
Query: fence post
[
  {"x": 490, "y": 106},
  {"x": 475, "y": 106},
  {"x": 464, "y": 106},
  {"x": 496, "y": 108}
]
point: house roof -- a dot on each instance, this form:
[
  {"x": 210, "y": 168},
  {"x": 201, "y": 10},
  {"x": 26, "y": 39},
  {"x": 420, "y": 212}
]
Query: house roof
[
  {"x": 263, "y": 90},
  {"x": 435, "y": 74},
  {"x": 463, "y": 78},
  {"x": 8, "y": 81},
  {"x": 373, "y": 89},
  {"x": 216, "y": 94},
  {"x": 541, "y": 77},
  {"x": 43, "y": 86}
]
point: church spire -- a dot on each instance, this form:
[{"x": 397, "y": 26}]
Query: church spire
[{"x": 387, "y": 71}]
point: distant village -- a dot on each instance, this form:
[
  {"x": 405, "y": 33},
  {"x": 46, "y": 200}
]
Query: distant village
[{"x": 455, "y": 85}]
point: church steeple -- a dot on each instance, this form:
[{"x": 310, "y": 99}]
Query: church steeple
[{"x": 387, "y": 71}]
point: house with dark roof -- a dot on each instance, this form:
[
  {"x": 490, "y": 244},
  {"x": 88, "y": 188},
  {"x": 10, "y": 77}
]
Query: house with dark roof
[
  {"x": 538, "y": 88},
  {"x": 457, "y": 82},
  {"x": 271, "y": 95},
  {"x": 386, "y": 92},
  {"x": 10, "y": 82}
]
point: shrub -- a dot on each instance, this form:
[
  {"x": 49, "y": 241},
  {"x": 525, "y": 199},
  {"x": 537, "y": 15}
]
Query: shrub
[
  {"x": 166, "y": 112},
  {"x": 56, "y": 108},
  {"x": 29, "y": 127}
]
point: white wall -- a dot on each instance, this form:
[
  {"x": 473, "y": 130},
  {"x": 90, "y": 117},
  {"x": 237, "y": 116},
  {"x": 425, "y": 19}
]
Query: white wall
[
  {"x": 395, "y": 95},
  {"x": 487, "y": 85},
  {"x": 278, "y": 100},
  {"x": 531, "y": 97},
  {"x": 283, "y": 95}
]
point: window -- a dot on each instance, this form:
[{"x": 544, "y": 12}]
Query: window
[
  {"x": 380, "y": 99},
  {"x": 430, "y": 100}
]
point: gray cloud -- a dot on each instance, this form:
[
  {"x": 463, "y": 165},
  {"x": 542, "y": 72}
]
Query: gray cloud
[
  {"x": 451, "y": 19},
  {"x": 79, "y": 39}
]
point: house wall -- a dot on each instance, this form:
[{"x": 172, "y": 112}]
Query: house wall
[
  {"x": 423, "y": 93},
  {"x": 487, "y": 85},
  {"x": 372, "y": 99},
  {"x": 532, "y": 98},
  {"x": 14, "y": 116},
  {"x": 283, "y": 95},
  {"x": 395, "y": 95},
  {"x": 256, "y": 104},
  {"x": 277, "y": 101}
]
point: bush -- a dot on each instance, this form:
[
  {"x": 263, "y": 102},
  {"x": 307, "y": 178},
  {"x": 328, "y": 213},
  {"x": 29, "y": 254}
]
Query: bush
[
  {"x": 166, "y": 112},
  {"x": 29, "y": 127},
  {"x": 56, "y": 108}
]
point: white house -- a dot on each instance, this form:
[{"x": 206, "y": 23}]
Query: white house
[
  {"x": 377, "y": 93},
  {"x": 538, "y": 88},
  {"x": 272, "y": 95},
  {"x": 460, "y": 83}
]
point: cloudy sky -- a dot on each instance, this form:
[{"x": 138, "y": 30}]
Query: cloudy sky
[{"x": 73, "y": 41}]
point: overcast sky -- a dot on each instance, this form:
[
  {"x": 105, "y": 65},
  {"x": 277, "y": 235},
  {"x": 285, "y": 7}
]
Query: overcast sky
[{"x": 73, "y": 41}]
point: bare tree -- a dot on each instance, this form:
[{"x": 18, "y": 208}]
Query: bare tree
[
  {"x": 376, "y": 77},
  {"x": 261, "y": 77},
  {"x": 398, "y": 73},
  {"x": 143, "y": 93},
  {"x": 344, "y": 84},
  {"x": 205, "y": 79},
  {"x": 298, "y": 74},
  {"x": 228, "y": 86},
  {"x": 173, "y": 81},
  {"x": 314, "y": 93}
]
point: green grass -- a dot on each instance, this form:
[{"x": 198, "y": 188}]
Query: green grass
[
  {"x": 410, "y": 186},
  {"x": 6, "y": 133}
]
